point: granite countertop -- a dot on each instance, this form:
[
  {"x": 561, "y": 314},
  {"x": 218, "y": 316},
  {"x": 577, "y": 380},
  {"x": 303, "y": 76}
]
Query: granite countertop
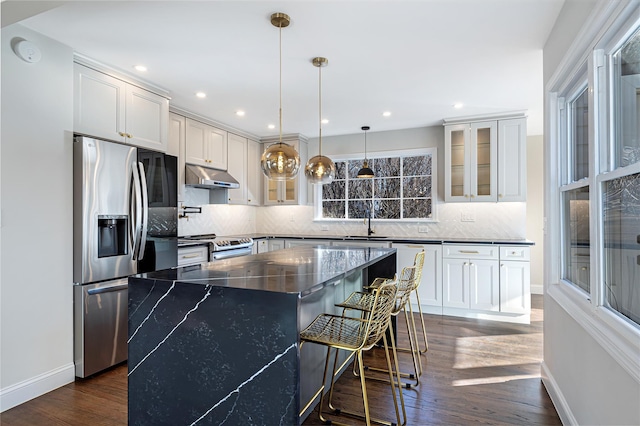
[
  {"x": 408, "y": 240},
  {"x": 301, "y": 270}
]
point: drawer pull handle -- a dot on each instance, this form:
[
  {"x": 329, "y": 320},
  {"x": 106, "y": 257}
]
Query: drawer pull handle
[
  {"x": 189, "y": 256},
  {"x": 414, "y": 246},
  {"x": 469, "y": 251}
]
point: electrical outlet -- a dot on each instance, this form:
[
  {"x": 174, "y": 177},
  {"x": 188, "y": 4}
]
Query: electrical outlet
[
  {"x": 291, "y": 218},
  {"x": 423, "y": 229},
  {"x": 324, "y": 227},
  {"x": 467, "y": 216}
]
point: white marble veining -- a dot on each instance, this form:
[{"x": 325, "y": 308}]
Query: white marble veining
[
  {"x": 207, "y": 294},
  {"x": 241, "y": 385},
  {"x": 173, "y": 284}
]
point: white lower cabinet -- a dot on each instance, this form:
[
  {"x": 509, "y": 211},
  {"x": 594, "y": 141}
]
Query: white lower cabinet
[
  {"x": 298, "y": 243},
  {"x": 193, "y": 255},
  {"x": 276, "y": 244},
  {"x": 515, "y": 280},
  {"x": 351, "y": 243},
  {"x": 261, "y": 246},
  {"x": 430, "y": 287},
  {"x": 471, "y": 284}
]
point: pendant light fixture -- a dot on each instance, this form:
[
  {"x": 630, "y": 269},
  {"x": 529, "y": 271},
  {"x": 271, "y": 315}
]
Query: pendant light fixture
[
  {"x": 365, "y": 171},
  {"x": 280, "y": 161},
  {"x": 320, "y": 169}
]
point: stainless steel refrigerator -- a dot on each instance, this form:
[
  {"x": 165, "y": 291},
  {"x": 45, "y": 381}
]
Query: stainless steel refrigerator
[{"x": 125, "y": 222}]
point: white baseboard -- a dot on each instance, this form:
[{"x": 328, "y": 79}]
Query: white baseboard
[
  {"x": 537, "y": 289},
  {"x": 34, "y": 387},
  {"x": 559, "y": 402}
]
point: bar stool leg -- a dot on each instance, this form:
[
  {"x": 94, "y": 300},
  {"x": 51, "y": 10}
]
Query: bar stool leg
[{"x": 424, "y": 329}]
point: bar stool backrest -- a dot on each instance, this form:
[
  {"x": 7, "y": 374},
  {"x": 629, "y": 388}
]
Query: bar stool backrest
[
  {"x": 378, "y": 319},
  {"x": 418, "y": 263}
]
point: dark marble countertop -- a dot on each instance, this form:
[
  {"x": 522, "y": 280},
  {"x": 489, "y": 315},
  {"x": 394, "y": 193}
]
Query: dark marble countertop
[
  {"x": 392, "y": 239},
  {"x": 301, "y": 270}
]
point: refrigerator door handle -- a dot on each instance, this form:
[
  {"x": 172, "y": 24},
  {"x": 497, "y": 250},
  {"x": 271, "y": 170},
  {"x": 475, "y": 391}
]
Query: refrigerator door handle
[
  {"x": 109, "y": 289},
  {"x": 136, "y": 212},
  {"x": 145, "y": 211}
]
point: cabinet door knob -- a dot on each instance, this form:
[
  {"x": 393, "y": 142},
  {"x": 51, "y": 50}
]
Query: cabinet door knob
[
  {"x": 123, "y": 134},
  {"x": 472, "y": 196},
  {"x": 129, "y": 135},
  {"x": 500, "y": 195}
]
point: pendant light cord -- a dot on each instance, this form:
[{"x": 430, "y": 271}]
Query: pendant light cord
[
  {"x": 320, "y": 109},
  {"x": 280, "y": 33}
]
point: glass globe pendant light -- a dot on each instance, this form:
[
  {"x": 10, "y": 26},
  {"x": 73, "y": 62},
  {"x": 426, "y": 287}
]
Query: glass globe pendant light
[
  {"x": 280, "y": 161},
  {"x": 320, "y": 169},
  {"x": 365, "y": 171}
]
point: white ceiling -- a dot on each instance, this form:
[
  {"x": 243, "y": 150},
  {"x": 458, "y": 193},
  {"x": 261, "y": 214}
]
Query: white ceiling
[{"x": 413, "y": 58}]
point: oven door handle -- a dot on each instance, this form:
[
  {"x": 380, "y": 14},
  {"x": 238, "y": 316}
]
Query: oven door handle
[{"x": 226, "y": 254}]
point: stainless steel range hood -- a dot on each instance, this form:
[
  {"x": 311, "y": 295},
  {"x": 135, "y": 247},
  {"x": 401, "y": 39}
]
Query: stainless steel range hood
[{"x": 203, "y": 177}]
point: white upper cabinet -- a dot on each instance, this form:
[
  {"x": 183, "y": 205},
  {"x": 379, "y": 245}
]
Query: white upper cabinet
[
  {"x": 292, "y": 191},
  {"x": 485, "y": 160},
  {"x": 206, "y": 145},
  {"x": 110, "y": 108},
  {"x": 177, "y": 137},
  {"x": 512, "y": 155},
  {"x": 254, "y": 173},
  {"x": 237, "y": 167},
  {"x": 471, "y": 162}
]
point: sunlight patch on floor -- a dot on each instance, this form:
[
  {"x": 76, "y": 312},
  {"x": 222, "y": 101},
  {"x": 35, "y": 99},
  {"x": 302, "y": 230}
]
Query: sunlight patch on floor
[
  {"x": 470, "y": 351},
  {"x": 490, "y": 380}
]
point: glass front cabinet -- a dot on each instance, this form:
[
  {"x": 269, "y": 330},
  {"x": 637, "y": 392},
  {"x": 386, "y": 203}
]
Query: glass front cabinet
[
  {"x": 485, "y": 160},
  {"x": 294, "y": 191}
]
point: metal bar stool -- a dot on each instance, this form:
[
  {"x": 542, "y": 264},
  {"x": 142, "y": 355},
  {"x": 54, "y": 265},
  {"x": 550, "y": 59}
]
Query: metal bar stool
[
  {"x": 357, "y": 335},
  {"x": 406, "y": 285},
  {"x": 419, "y": 264}
]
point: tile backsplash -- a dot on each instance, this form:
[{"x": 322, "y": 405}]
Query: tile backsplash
[{"x": 454, "y": 220}]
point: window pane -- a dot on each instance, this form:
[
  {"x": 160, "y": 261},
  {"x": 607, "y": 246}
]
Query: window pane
[
  {"x": 416, "y": 166},
  {"x": 358, "y": 209},
  {"x": 387, "y": 209},
  {"x": 333, "y": 209},
  {"x": 627, "y": 103},
  {"x": 576, "y": 237},
  {"x": 416, "y": 208},
  {"x": 360, "y": 188},
  {"x": 580, "y": 136},
  {"x": 334, "y": 191},
  {"x": 384, "y": 167},
  {"x": 387, "y": 188},
  {"x": 341, "y": 167},
  {"x": 414, "y": 187},
  {"x": 622, "y": 245}
]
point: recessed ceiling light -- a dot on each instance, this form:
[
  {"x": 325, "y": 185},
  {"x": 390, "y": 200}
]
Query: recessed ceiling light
[
  {"x": 458, "y": 105},
  {"x": 140, "y": 68},
  {"x": 271, "y": 126},
  {"x": 386, "y": 113},
  {"x": 240, "y": 113},
  {"x": 201, "y": 95},
  {"x": 325, "y": 121}
]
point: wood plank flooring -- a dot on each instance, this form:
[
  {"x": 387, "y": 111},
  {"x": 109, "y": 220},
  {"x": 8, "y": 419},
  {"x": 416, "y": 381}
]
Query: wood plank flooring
[{"x": 475, "y": 372}]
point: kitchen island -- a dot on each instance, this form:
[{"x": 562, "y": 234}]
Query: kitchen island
[{"x": 218, "y": 343}]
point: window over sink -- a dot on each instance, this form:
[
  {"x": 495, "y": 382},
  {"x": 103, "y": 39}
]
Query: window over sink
[{"x": 402, "y": 188}]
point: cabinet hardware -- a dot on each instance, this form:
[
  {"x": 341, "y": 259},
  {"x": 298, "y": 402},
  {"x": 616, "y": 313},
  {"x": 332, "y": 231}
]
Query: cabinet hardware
[
  {"x": 473, "y": 196},
  {"x": 469, "y": 251},
  {"x": 500, "y": 195},
  {"x": 129, "y": 135},
  {"x": 413, "y": 246},
  {"x": 514, "y": 253},
  {"x": 584, "y": 268},
  {"x": 502, "y": 265},
  {"x": 123, "y": 134},
  {"x": 189, "y": 256}
]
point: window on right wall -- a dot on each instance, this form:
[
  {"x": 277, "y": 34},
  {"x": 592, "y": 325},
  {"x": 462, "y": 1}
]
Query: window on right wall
[
  {"x": 620, "y": 185},
  {"x": 599, "y": 178}
]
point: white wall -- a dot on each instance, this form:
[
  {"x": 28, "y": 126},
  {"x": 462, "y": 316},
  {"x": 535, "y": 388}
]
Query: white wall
[
  {"x": 588, "y": 378},
  {"x": 36, "y": 352},
  {"x": 535, "y": 209}
]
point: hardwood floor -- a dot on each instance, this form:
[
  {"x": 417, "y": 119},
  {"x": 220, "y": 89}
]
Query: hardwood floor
[{"x": 475, "y": 372}]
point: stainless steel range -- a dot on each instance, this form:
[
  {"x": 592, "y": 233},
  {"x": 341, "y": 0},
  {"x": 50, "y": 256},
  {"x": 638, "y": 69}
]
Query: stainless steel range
[{"x": 222, "y": 247}]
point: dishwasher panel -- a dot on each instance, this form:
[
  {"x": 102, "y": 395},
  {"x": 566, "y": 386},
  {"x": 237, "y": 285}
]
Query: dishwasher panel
[{"x": 100, "y": 325}]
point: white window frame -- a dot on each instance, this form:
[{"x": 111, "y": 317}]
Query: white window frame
[
  {"x": 317, "y": 193},
  {"x": 609, "y": 26}
]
